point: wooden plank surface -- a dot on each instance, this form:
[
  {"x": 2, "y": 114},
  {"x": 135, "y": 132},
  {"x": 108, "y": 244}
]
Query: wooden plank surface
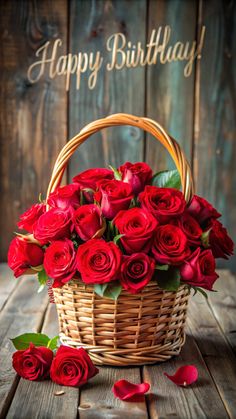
[
  {"x": 92, "y": 23},
  {"x": 8, "y": 284},
  {"x": 33, "y": 116}
]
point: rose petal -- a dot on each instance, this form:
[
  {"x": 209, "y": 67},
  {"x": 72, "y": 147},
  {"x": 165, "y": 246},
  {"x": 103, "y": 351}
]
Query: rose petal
[
  {"x": 184, "y": 376},
  {"x": 125, "y": 390}
]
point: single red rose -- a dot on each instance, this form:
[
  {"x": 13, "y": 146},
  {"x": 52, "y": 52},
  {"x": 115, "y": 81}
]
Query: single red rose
[
  {"x": 65, "y": 197},
  {"x": 30, "y": 217},
  {"x": 138, "y": 175},
  {"x": 190, "y": 227},
  {"x": 33, "y": 363},
  {"x": 72, "y": 367},
  {"x": 170, "y": 245},
  {"x": 138, "y": 227},
  {"x": 136, "y": 271},
  {"x": 221, "y": 244},
  {"x": 127, "y": 391},
  {"x": 89, "y": 178},
  {"x": 184, "y": 376},
  {"x": 163, "y": 203},
  {"x": 53, "y": 225},
  {"x": 22, "y": 255},
  {"x": 88, "y": 222},
  {"x": 199, "y": 269},
  {"x": 113, "y": 196},
  {"x": 60, "y": 262},
  {"x": 202, "y": 210},
  {"x": 98, "y": 261}
]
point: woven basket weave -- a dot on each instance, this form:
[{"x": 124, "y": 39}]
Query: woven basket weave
[{"x": 136, "y": 329}]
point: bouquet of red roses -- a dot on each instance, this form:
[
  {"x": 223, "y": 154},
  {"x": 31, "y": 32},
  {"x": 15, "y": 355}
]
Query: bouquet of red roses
[{"x": 121, "y": 228}]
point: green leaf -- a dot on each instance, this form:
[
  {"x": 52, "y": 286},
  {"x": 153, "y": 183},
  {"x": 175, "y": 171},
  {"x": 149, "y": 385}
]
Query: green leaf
[
  {"x": 117, "y": 174},
  {"x": 162, "y": 267},
  {"x": 42, "y": 278},
  {"x": 23, "y": 341},
  {"x": 40, "y": 198},
  {"x": 167, "y": 179},
  {"x": 202, "y": 292},
  {"x": 52, "y": 344},
  {"x": 169, "y": 280},
  {"x": 205, "y": 238},
  {"x": 37, "y": 268},
  {"x": 117, "y": 238},
  {"x": 110, "y": 290}
]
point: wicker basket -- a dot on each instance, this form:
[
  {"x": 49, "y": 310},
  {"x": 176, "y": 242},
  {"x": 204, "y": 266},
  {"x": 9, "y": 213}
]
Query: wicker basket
[{"x": 136, "y": 329}]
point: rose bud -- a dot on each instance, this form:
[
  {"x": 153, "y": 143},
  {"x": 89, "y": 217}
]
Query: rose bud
[
  {"x": 33, "y": 363},
  {"x": 190, "y": 227},
  {"x": 89, "y": 178},
  {"x": 60, "y": 262},
  {"x": 22, "y": 255},
  {"x": 72, "y": 367},
  {"x": 202, "y": 210},
  {"x": 113, "y": 197},
  {"x": 137, "y": 175},
  {"x": 98, "y": 261},
  {"x": 163, "y": 203},
  {"x": 30, "y": 217},
  {"x": 221, "y": 244},
  {"x": 88, "y": 222},
  {"x": 136, "y": 271},
  {"x": 138, "y": 227},
  {"x": 170, "y": 245},
  {"x": 53, "y": 225},
  {"x": 199, "y": 269},
  {"x": 65, "y": 197}
]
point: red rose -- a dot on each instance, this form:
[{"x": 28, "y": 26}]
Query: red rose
[
  {"x": 22, "y": 255},
  {"x": 89, "y": 178},
  {"x": 202, "y": 210},
  {"x": 113, "y": 197},
  {"x": 59, "y": 262},
  {"x": 53, "y": 225},
  {"x": 65, "y": 197},
  {"x": 170, "y": 245},
  {"x": 138, "y": 227},
  {"x": 190, "y": 227},
  {"x": 163, "y": 203},
  {"x": 30, "y": 217},
  {"x": 33, "y": 363},
  {"x": 137, "y": 175},
  {"x": 199, "y": 269},
  {"x": 88, "y": 222},
  {"x": 136, "y": 271},
  {"x": 72, "y": 367},
  {"x": 98, "y": 261},
  {"x": 221, "y": 244}
]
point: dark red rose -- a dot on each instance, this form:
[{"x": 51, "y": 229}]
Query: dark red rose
[
  {"x": 138, "y": 227},
  {"x": 202, "y": 210},
  {"x": 22, "y": 255},
  {"x": 137, "y": 175},
  {"x": 60, "y": 262},
  {"x": 170, "y": 245},
  {"x": 53, "y": 225},
  {"x": 163, "y": 203},
  {"x": 199, "y": 269},
  {"x": 221, "y": 244},
  {"x": 98, "y": 261},
  {"x": 89, "y": 178},
  {"x": 136, "y": 271},
  {"x": 190, "y": 227},
  {"x": 72, "y": 367},
  {"x": 30, "y": 217},
  {"x": 113, "y": 197},
  {"x": 88, "y": 222},
  {"x": 65, "y": 197},
  {"x": 33, "y": 363}
]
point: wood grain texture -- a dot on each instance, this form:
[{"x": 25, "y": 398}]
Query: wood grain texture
[
  {"x": 170, "y": 95},
  {"x": 33, "y": 116},
  {"x": 8, "y": 284},
  {"x": 215, "y": 117},
  {"x": 91, "y": 24}
]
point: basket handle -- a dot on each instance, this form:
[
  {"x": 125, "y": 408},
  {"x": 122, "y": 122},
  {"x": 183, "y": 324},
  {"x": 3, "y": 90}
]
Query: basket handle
[{"x": 146, "y": 124}]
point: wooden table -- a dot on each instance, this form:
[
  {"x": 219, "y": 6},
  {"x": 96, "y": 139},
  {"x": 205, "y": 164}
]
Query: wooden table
[{"x": 210, "y": 345}]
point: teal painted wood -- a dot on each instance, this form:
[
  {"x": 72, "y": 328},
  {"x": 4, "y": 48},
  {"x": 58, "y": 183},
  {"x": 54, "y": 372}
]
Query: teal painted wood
[
  {"x": 116, "y": 91},
  {"x": 215, "y": 122}
]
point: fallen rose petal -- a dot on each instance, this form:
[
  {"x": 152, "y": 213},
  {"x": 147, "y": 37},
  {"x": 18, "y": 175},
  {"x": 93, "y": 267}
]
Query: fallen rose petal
[
  {"x": 125, "y": 390},
  {"x": 184, "y": 376}
]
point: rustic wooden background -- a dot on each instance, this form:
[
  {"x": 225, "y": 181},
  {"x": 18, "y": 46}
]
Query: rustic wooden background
[{"x": 37, "y": 120}]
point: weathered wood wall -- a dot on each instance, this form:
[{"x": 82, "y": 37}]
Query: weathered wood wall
[{"x": 37, "y": 119}]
